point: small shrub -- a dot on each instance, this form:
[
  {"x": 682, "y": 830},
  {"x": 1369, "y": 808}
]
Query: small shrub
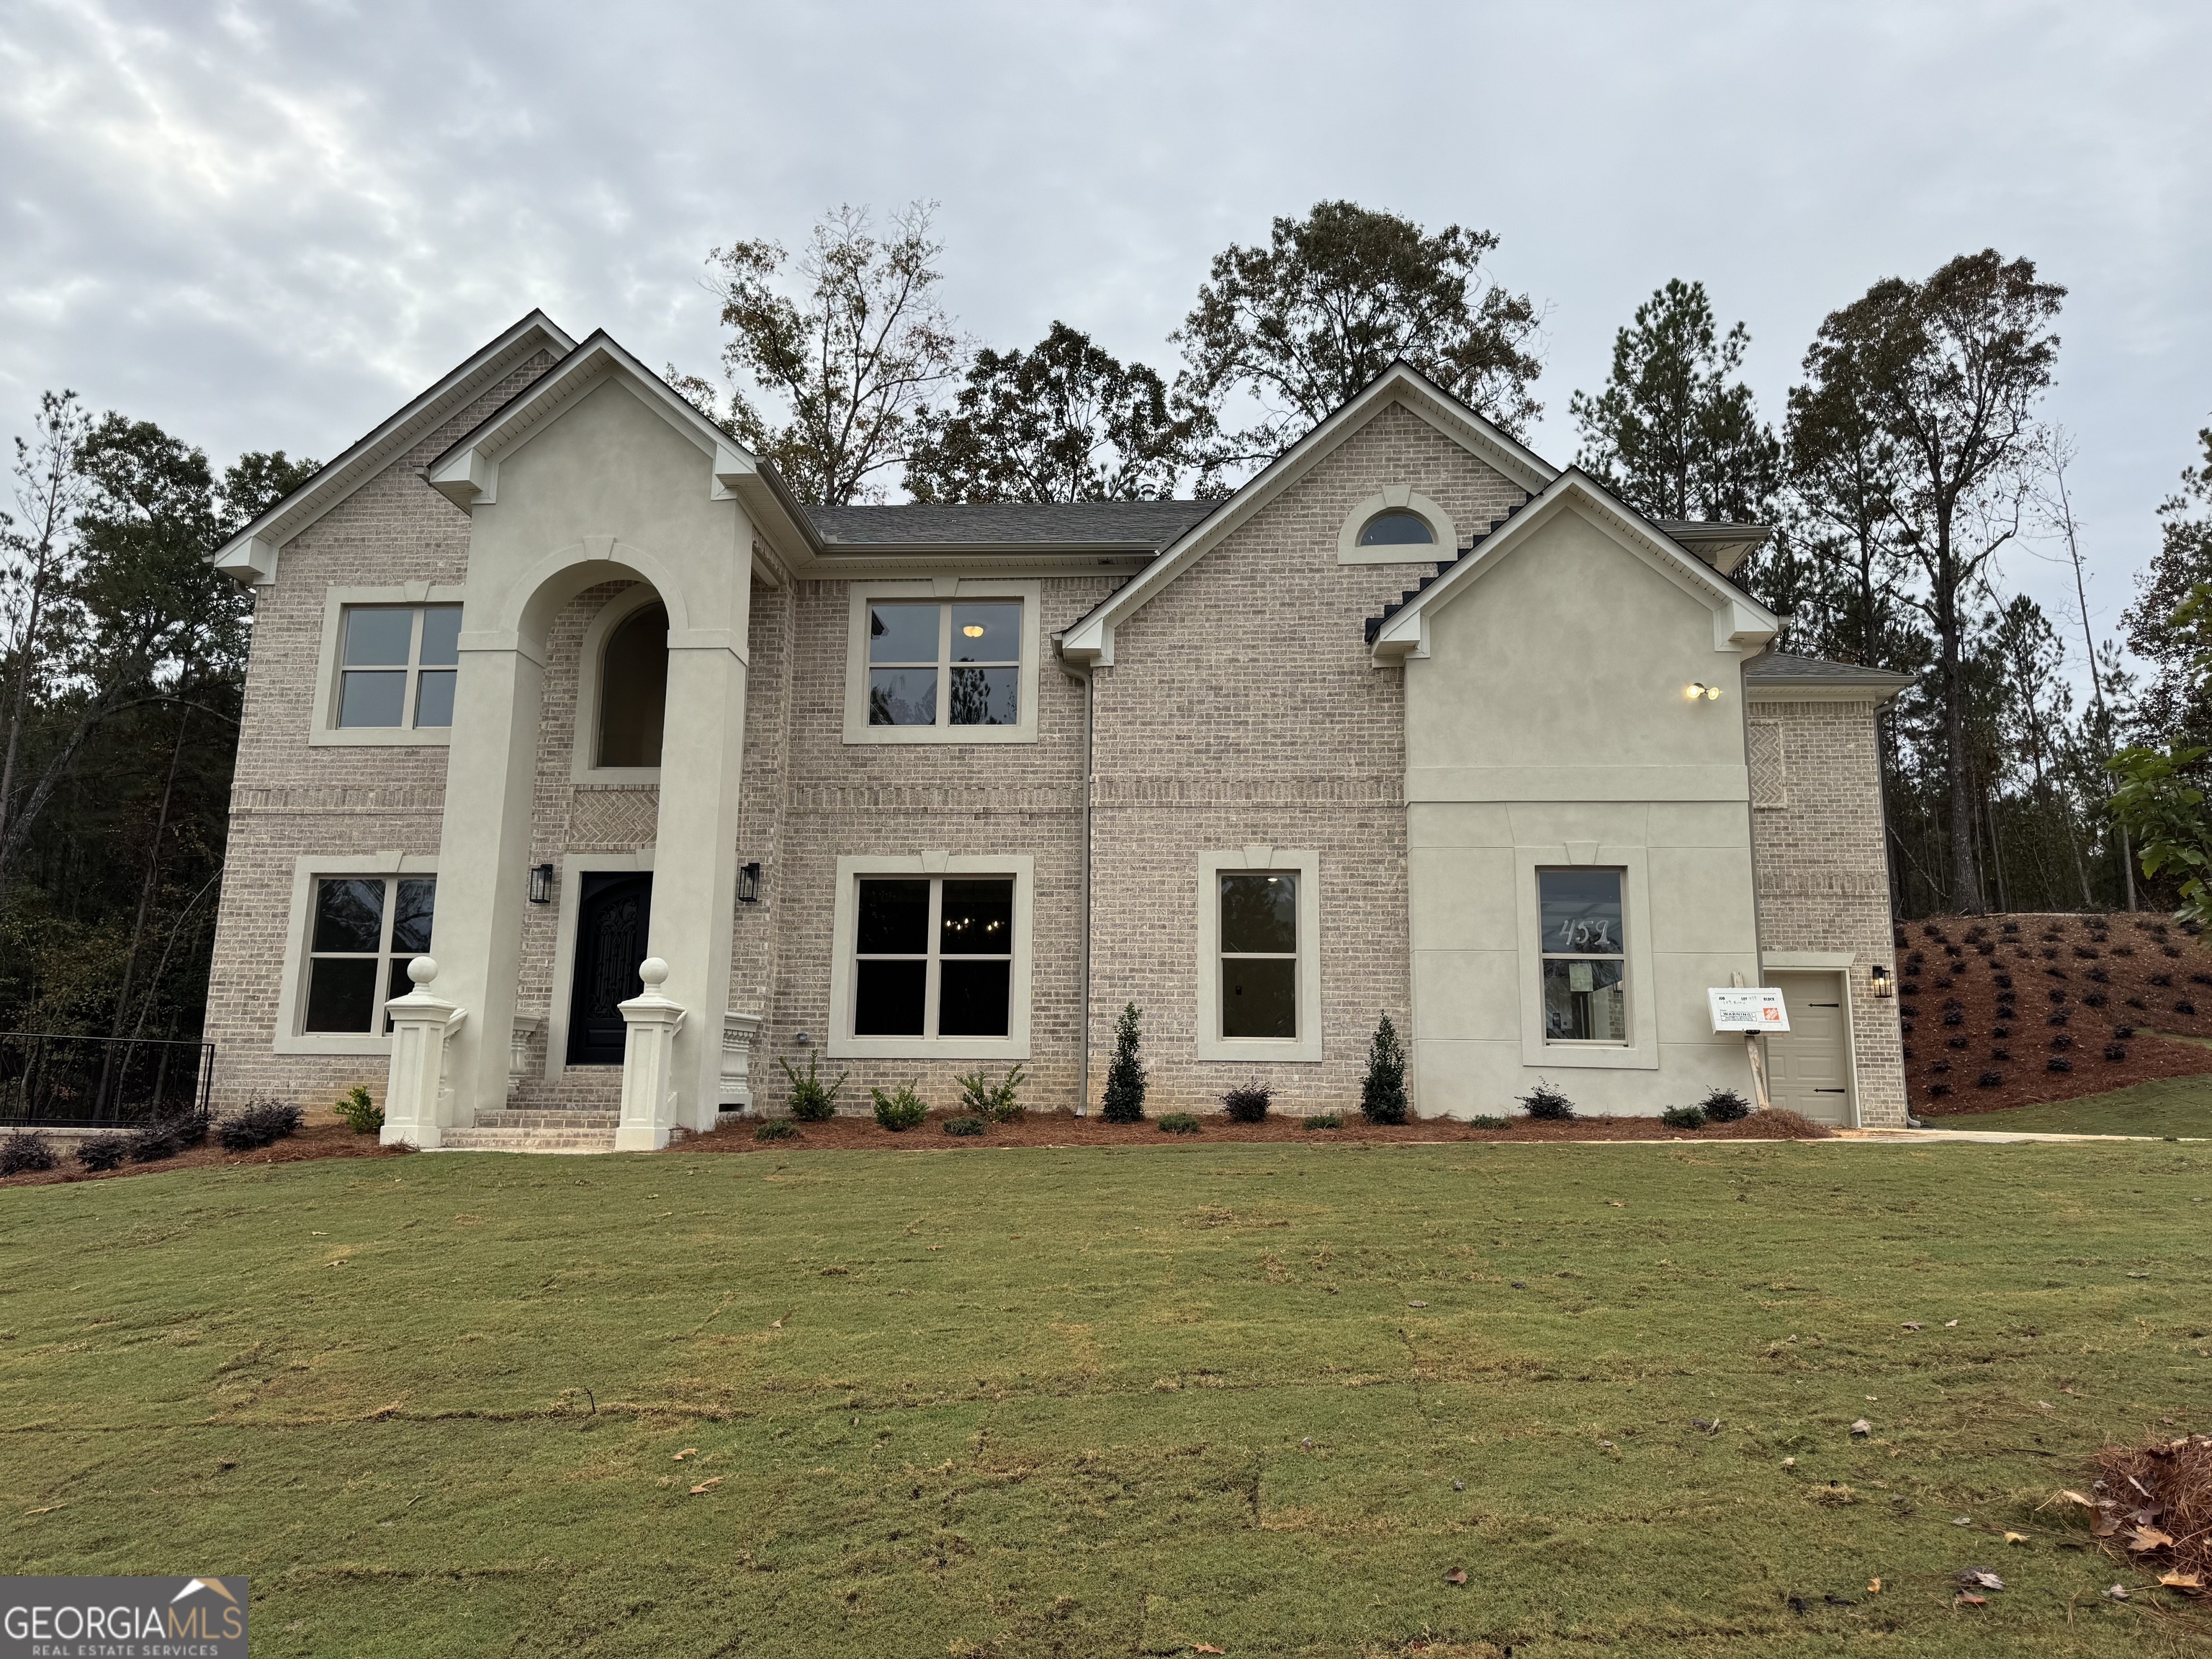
[
  {"x": 1683, "y": 1118},
  {"x": 2003, "y": 982},
  {"x": 1955, "y": 1042},
  {"x": 2000, "y": 1054},
  {"x": 363, "y": 1114},
  {"x": 1547, "y": 1104},
  {"x": 2124, "y": 1032},
  {"x": 900, "y": 1110},
  {"x": 103, "y": 1152},
  {"x": 810, "y": 1101},
  {"x": 1382, "y": 1091},
  {"x": 26, "y": 1152},
  {"x": 1938, "y": 1090},
  {"x": 2094, "y": 999},
  {"x": 2061, "y": 1042},
  {"x": 2162, "y": 980},
  {"x": 2058, "y": 1063},
  {"x": 2000, "y": 1032},
  {"x": 1125, "y": 1076},
  {"x": 1322, "y": 1121},
  {"x": 264, "y": 1123},
  {"x": 2116, "y": 1051},
  {"x": 1725, "y": 1106},
  {"x": 995, "y": 1103},
  {"x": 1990, "y": 1080},
  {"x": 965, "y": 1126},
  {"x": 1247, "y": 1104},
  {"x": 1954, "y": 1017},
  {"x": 151, "y": 1143},
  {"x": 1178, "y": 1123},
  {"x": 1486, "y": 1120},
  {"x": 2184, "y": 1007},
  {"x": 2099, "y": 976},
  {"x": 776, "y": 1128},
  {"x": 2058, "y": 1018}
]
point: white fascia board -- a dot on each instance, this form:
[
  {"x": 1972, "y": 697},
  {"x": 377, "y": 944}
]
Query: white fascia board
[
  {"x": 250, "y": 555},
  {"x": 1091, "y": 639},
  {"x": 1740, "y": 625}
]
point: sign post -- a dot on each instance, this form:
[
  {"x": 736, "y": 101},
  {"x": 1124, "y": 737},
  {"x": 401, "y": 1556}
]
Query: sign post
[{"x": 1751, "y": 1009}]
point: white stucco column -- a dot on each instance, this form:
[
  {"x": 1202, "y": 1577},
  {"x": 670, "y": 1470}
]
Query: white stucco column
[
  {"x": 694, "y": 860},
  {"x": 483, "y": 855},
  {"x": 423, "y": 1023},
  {"x": 652, "y": 1024}
]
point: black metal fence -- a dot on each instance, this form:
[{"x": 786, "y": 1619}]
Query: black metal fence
[{"x": 69, "y": 1081}]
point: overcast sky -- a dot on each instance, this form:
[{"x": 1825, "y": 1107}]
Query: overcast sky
[{"x": 267, "y": 226}]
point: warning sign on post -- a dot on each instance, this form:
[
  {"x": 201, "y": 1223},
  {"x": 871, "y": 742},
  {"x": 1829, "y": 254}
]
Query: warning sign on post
[{"x": 1738, "y": 1008}]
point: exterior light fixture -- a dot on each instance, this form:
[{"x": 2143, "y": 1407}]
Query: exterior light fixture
[
  {"x": 1710, "y": 693},
  {"x": 1884, "y": 986},
  {"x": 749, "y": 883},
  {"x": 541, "y": 884}
]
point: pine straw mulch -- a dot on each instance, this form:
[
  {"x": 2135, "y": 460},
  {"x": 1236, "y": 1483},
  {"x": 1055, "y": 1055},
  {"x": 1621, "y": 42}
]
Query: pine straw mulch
[
  {"x": 2029, "y": 989},
  {"x": 332, "y": 1139},
  {"x": 1064, "y": 1128},
  {"x": 2153, "y": 1509}
]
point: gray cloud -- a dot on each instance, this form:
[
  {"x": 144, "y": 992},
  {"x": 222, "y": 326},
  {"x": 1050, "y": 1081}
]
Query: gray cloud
[{"x": 265, "y": 225}]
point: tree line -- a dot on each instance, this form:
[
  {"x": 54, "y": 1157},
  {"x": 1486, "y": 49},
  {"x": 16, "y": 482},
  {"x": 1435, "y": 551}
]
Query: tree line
[{"x": 1912, "y": 455}]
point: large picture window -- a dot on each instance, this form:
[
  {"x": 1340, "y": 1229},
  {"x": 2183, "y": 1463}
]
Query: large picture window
[
  {"x": 933, "y": 957},
  {"x": 397, "y": 665},
  {"x": 364, "y": 931},
  {"x": 1584, "y": 956},
  {"x": 1260, "y": 955},
  {"x": 944, "y": 665}
]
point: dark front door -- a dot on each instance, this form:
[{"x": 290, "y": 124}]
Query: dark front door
[{"x": 611, "y": 925}]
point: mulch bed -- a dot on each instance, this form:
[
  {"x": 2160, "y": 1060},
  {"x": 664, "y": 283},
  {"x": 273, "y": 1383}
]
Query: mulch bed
[
  {"x": 328, "y": 1139},
  {"x": 2030, "y": 989},
  {"x": 1064, "y": 1128}
]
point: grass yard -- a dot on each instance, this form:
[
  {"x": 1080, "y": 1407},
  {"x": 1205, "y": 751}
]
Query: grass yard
[
  {"x": 1104, "y": 1402},
  {"x": 2169, "y": 1106}
]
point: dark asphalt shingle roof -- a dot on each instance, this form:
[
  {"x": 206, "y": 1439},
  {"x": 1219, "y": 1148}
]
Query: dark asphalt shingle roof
[
  {"x": 1777, "y": 665},
  {"x": 1143, "y": 525}
]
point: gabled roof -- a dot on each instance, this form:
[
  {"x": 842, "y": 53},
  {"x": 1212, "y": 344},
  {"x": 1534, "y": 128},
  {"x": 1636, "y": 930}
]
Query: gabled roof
[
  {"x": 467, "y": 474},
  {"x": 1009, "y": 527},
  {"x": 1091, "y": 638},
  {"x": 250, "y": 556},
  {"x": 1740, "y": 622}
]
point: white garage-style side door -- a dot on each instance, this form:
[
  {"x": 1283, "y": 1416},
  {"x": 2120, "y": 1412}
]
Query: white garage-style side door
[{"x": 1809, "y": 1067}]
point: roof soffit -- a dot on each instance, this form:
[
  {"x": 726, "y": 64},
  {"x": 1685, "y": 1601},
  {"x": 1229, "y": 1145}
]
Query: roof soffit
[
  {"x": 250, "y": 555},
  {"x": 1091, "y": 638}
]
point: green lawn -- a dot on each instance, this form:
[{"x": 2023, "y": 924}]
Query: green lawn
[
  {"x": 1029, "y": 1402},
  {"x": 2171, "y": 1106}
]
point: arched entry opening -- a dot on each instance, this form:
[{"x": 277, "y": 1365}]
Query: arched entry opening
[{"x": 633, "y": 689}]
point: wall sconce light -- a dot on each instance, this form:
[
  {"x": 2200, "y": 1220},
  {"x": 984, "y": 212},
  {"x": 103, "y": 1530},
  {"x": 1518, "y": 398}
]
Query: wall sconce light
[
  {"x": 1710, "y": 693},
  {"x": 1884, "y": 986},
  {"x": 541, "y": 884},
  {"x": 749, "y": 883}
]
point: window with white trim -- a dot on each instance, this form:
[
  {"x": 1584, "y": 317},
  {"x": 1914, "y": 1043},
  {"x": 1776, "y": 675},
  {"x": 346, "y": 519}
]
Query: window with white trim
[
  {"x": 1585, "y": 956},
  {"x": 944, "y": 665},
  {"x": 363, "y": 931},
  {"x": 397, "y": 665},
  {"x": 1397, "y": 526},
  {"x": 933, "y": 957},
  {"x": 1259, "y": 954}
]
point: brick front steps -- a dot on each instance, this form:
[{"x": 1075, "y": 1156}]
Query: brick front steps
[{"x": 547, "y": 1130}]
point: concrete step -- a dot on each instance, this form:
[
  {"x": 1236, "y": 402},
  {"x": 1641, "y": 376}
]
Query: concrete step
[
  {"x": 527, "y": 1140},
  {"x": 548, "y": 1118}
]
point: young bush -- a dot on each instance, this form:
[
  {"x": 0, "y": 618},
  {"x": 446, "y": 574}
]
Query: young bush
[
  {"x": 995, "y": 1103},
  {"x": 810, "y": 1101},
  {"x": 776, "y": 1128},
  {"x": 1725, "y": 1106},
  {"x": 1547, "y": 1104},
  {"x": 103, "y": 1152},
  {"x": 1125, "y": 1078},
  {"x": 262, "y": 1124},
  {"x": 152, "y": 1142},
  {"x": 900, "y": 1110},
  {"x": 1382, "y": 1091},
  {"x": 1322, "y": 1121},
  {"x": 965, "y": 1126},
  {"x": 26, "y": 1152},
  {"x": 1683, "y": 1118},
  {"x": 1247, "y": 1104},
  {"x": 1486, "y": 1120},
  {"x": 362, "y": 1115},
  {"x": 1178, "y": 1123}
]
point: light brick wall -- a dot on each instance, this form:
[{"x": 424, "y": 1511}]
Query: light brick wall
[
  {"x": 1820, "y": 869},
  {"x": 1244, "y": 708}
]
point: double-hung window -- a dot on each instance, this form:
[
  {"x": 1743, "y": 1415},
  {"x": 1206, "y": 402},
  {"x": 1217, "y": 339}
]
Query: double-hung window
[
  {"x": 1584, "y": 956},
  {"x": 364, "y": 931},
  {"x": 397, "y": 665},
  {"x": 944, "y": 665},
  {"x": 933, "y": 957},
  {"x": 1259, "y": 955}
]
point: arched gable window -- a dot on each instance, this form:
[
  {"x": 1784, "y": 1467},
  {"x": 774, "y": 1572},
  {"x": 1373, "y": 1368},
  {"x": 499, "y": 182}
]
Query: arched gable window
[
  {"x": 634, "y": 689},
  {"x": 1399, "y": 528}
]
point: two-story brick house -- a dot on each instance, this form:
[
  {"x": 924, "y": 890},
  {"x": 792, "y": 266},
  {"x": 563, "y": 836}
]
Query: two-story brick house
[{"x": 553, "y": 685}]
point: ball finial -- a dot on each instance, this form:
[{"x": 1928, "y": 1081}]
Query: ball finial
[
  {"x": 653, "y": 971},
  {"x": 423, "y": 971}
]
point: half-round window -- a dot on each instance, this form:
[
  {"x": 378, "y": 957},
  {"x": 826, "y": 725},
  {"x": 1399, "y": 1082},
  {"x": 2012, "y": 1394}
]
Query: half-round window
[
  {"x": 634, "y": 689},
  {"x": 1397, "y": 528}
]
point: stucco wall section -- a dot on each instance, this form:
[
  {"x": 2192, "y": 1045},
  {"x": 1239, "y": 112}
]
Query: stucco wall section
[
  {"x": 288, "y": 799},
  {"x": 1823, "y": 879},
  {"x": 1243, "y": 708}
]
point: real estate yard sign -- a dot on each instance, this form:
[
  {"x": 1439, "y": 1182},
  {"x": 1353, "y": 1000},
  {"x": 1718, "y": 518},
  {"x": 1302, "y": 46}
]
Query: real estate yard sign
[{"x": 1737, "y": 1008}]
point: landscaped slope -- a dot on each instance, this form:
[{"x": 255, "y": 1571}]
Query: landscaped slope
[
  {"x": 1107, "y": 1401},
  {"x": 2012, "y": 1011}
]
